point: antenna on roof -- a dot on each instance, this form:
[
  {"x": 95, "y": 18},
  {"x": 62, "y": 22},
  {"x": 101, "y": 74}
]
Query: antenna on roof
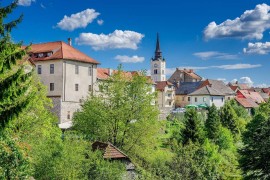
[{"x": 70, "y": 41}]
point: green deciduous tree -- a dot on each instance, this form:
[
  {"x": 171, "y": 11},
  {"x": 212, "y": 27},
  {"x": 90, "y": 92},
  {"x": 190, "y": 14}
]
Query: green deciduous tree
[
  {"x": 15, "y": 93},
  {"x": 255, "y": 159},
  {"x": 123, "y": 114}
]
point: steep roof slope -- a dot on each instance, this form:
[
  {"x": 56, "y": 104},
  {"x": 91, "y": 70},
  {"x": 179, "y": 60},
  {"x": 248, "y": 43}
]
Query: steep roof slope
[
  {"x": 207, "y": 90},
  {"x": 218, "y": 85},
  {"x": 187, "y": 87}
]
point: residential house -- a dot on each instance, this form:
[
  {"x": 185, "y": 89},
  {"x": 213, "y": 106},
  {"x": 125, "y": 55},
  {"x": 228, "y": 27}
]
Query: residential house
[
  {"x": 207, "y": 95},
  {"x": 221, "y": 87},
  {"x": 184, "y": 75},
  {"x": 255, "y": 96},
  {"x": 246, "y": 103},
  {"x": 67, "y": 73},
  {"x": 238, "y": 86},
  {"x": 182, "y": 90},
  {"x": 166, "y": 95}
]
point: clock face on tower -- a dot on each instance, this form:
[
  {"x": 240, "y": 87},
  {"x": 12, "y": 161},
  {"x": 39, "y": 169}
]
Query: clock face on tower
[{"x": 155, "y": 65}]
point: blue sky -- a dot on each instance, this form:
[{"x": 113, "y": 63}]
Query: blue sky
[{"x": 220, "y": 39}]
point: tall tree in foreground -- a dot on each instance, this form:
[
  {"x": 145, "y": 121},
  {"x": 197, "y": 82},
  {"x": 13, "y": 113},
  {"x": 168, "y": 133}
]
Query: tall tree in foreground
[
  {"x": 123, "y": 114},
  {"x": 14, "y": 80},
  {"x": 213, "y": 124},
  {"x": 255, "y": 159}
]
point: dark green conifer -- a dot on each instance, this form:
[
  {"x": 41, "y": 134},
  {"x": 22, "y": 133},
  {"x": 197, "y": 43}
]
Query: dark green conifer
[
  {"x": 213, "y": 124},
  {"x": 15, "y": 92}
]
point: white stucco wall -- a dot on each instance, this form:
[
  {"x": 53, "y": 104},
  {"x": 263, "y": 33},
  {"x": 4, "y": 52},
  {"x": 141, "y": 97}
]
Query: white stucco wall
[
  {"x": 164, "y": 98},
  {"x": 209, "y": 100},
  {"x": 47, "y": 78}
]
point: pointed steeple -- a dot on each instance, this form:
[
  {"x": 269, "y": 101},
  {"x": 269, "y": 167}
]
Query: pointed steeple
[{"x": 158, "y": 53}]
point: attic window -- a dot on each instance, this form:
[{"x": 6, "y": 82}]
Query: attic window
[
  {"x": 49, "y": 54},
  {"x": 40, "y": 55}
]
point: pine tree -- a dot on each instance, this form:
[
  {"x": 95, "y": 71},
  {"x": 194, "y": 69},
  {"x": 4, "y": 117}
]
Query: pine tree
[
  {"x": 193, "y": 130},
  {"x": 15, "y": 81},
  {"x": 229, "y": 118},
  {"x": 213, "y": 124}
]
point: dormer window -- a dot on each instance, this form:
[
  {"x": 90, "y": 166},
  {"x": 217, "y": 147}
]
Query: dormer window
[
  {"x": 49, "y": 54},
  {"x": 40, "y": 55}
]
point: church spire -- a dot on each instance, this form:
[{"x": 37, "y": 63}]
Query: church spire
[{"x": 158, "y": 53}]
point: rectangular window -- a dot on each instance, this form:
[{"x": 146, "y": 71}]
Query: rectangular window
[
  {"x": 90, "y": 72},
  {"x": 169, "y": 86},
  {"x": 76, "y": 87},
  {"x": 196, "y": 99},
  {"x": 212, "y": 99},
  {"x": 76, "y": 69},
  {"x": 39, "y": 69},
  {"x": 222, "y": 99},
  {"x": 170, "y": 103},
  {"x": 188, "y": 98},
  {"x": 204, "y": 99},
  {"x": 169, "y": 95},
  {"x": 89, "y": 88},
  {"x": 155, "y": 71},
  {"x": 51, "y": 86},
  {"x": 51, "y": 68},
  {"x": 68, "y": 115},
  {"x": 183, "y": 98}
]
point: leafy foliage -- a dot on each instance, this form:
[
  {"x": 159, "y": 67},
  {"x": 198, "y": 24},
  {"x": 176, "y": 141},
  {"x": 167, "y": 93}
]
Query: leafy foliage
[{"x": 255, "y": 159}]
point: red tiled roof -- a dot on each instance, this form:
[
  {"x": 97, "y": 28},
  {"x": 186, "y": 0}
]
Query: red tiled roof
[
  {"x": 160, "y": 85},
  {"x": 109, "y": 150},
  {"x": 59, "y": 50},
  {"x": 246, "y": 102},
  {"x": 103, "y": 73},
  {"x": 255, "y": 96}
]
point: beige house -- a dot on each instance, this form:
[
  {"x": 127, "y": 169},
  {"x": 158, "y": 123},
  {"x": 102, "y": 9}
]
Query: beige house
[
  {"x": 166, "y": 94},
  {"x": 67, "y": 73},
  {"x": 184, "y": 75}
]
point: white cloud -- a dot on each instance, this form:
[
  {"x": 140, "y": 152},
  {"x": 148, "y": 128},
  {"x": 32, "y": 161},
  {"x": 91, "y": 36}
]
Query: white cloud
[
  {"x": 246, "y": 80},
  {"x": 262, "y": 85},
  {"x": 128, "y": 59},
  {"x": 25, "y": 2},
  {"x": 100, "y": 22},
  {"x": 78, "y": 20},
  {"x": 250, "y": 25},
  {"x": 238, "y": 66},
  {"x": 43, "y": 6},
  {"x": 170, "y": 71},
  {"x": 257, "y": 48},
  {"x": 117, "y": 40},
  {"x": 234, "y": 81},
  {"x": 214, "y": 55},
  {"x": 223, "y": 79}
]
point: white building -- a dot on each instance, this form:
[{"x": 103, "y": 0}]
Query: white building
[
  {"x": 207, "y": 95},
  {"x": 166, "y": 94},
  {"x": 158, "y": 65},
  {"x": 68, "y": 74}
]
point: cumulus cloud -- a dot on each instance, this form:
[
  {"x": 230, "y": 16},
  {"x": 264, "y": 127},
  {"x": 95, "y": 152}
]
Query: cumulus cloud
[
  {"x": 250, "y": 25},
  {"x": 246, "y": 80},
  {"x": 78, "y": 20},
  {"x": 257, "y": 48},
  {"x": 100, "y": 22},
  {"x": 25, "y": 2},
  {"x": 128, "y": 59},
  {"x": 214, "y": 55},
  {"x": 117, "y": 40},
  {"x": 223, "y": 79}
]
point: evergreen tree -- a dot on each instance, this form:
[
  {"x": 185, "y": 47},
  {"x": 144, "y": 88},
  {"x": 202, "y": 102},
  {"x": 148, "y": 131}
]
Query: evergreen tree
[
  {"x": 193, "y": 128},
  {"x": 229, "y": 118},
  {"x": 213, "y": 124},
  {"x": 14, "y": 79}
]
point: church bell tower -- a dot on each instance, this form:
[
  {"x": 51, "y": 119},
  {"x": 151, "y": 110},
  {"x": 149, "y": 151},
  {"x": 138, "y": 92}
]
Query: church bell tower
[{"x": 158, "y": 64}]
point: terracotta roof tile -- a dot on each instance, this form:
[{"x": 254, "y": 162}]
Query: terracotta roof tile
[
  {"x": 160, "y": 85},
  {"x": 58, "y": 50},
  {"x": 246, "y": 102},
  {"x": 255, "y": 96}
]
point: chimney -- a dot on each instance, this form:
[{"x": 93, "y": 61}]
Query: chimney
[
  {"x": 191, "y": 70},
  {"x": 110, "y": 71},
  {"x": 69, "y": 41},
  {"x": 177, "y": 69}
]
